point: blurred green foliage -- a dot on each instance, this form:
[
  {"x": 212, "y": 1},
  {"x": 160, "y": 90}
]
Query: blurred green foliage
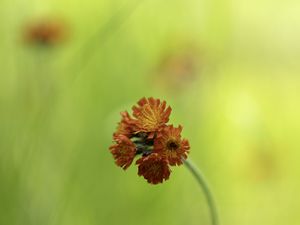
[{"x": 230, "y": 71}]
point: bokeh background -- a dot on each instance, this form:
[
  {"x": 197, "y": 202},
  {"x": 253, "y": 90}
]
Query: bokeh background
[{"x": 229, "y": 69}]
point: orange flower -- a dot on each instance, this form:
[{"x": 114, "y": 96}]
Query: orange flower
[
  {"x": 123, "y": 152},
  {"x": 153, "y": 168},
  {"x": 151, "y": 115},
  {"x": 147, "y": 135},
  {"x": 47, "y": 32},
  {"x": 170, "y": 145},
  {"x": 125, "y": 127}
]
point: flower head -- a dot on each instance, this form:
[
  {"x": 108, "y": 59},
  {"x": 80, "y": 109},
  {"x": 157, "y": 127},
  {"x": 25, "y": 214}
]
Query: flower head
[
  {"x": 146, "y": 135},
  {"x": 123, "y": 151},
  {"x": 47, "y": 32},
  {"x": 125, "y": 127},
  {"x": 170, "y": 145},
  {"x": 153, "y": 168},
  {"x": 151, "y": 115}
]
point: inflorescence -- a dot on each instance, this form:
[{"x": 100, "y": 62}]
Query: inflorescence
[
  {"x": 146, "y": 134},
  {"x": 45, "y": 32}
]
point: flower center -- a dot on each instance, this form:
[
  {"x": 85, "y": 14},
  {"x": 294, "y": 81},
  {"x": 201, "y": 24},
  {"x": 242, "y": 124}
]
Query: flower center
[{"x": 172, "y": 145}]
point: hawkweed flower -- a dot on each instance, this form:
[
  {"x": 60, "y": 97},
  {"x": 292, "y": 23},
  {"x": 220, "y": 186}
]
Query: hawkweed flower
[
  {"x": 171, "y": 146},
  {"x": 154, "y": 168},
  {"x": 45, "y": 33},
  {"x": 124, "y": 126},
  {"x": 123, "y": 151},
  {"x": 146, "y": 135},
  {"x": 151, "y": 115}
]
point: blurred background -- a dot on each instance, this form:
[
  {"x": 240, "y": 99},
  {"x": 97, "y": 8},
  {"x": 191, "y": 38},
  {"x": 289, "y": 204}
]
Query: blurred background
[{"x": 229, "y": 69}]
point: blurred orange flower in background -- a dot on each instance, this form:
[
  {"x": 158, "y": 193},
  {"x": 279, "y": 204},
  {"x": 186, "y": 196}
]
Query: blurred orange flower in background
[{"x": 45, "y": 32}]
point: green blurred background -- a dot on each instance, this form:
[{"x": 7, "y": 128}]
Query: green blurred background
[{"x": 230, "y": 71}]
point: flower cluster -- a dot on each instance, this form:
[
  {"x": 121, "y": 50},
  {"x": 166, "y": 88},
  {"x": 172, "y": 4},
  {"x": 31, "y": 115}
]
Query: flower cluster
[
  {"x": 46, "y": 32},
  {"x": 146, "y": 133}
]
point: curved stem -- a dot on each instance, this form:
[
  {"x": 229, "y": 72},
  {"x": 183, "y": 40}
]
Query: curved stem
[{"x": 207, "y": 192}]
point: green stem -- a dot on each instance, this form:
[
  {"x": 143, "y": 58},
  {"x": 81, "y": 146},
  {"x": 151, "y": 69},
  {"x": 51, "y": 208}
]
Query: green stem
[{"x": 207, "y": 192}]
